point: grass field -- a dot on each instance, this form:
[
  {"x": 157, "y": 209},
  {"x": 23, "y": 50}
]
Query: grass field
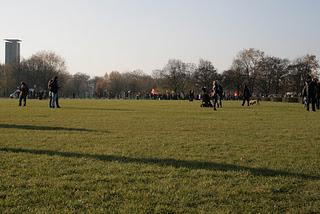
[{"x": 104, "y": 156}]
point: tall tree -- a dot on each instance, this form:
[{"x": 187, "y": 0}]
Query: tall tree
[
  {"x": 115, "y": 84},
  {"x": 301, "y": 69},
  {"x": 80, "y": 83},
  {"x": 247, "y": 62},
  {"x": 40, "y": 68},
  {"x": 204, "y": 74},
  {"x": 232, "y": 81},
  {"x": 269, "y": 79},
  {"x": 101, "y": 86},
  {"x": 7, "y": 82},
  {"x": 175, "y": 75}
]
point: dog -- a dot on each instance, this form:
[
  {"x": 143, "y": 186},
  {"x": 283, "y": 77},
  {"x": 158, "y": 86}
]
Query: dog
[{"x": 253, "y": 102}]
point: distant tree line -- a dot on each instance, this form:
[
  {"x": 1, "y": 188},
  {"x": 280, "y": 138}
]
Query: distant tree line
[{"x": 265, "y": 75}]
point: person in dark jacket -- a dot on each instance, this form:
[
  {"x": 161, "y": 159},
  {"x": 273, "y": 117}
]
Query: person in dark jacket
[
  {"x": 54, "y": 89},
  {"x": 24, "y": 90},
  {"x": 220, "y": 95},
  {"x": 246, "y": 95},
  {"x": 312, "y": 94}
]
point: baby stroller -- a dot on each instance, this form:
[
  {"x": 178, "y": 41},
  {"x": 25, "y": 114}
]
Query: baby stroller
[{"x": 206, "y": 102}]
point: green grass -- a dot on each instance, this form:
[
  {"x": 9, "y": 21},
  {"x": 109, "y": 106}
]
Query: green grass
[{"x": 103, "y": 156}]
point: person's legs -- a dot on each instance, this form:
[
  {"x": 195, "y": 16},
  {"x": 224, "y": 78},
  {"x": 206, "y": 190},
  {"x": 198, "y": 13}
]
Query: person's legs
[
  {"x": 308, "y": 103},
  {"x": 244, "y": 101},
  {"x": 248, "y": 101},
  {"x": 50, "y": 99},
  {"x": 53, "y": 102},
  {"x": 305, "y": 102},
  {"x": 215, "y": 102},
  {"x": 20, "y": 100},
  {"x": 313, "y": 104},
  {"x": 57, "y": 101},
  {"x": 24, "y": 100}
]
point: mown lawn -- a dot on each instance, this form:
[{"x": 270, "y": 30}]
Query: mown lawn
[{"x": 104, "y": 156}]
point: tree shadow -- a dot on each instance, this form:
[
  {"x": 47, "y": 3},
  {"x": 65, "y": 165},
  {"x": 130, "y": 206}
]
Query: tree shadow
[
  {"x": 168, "y": 162},
  {"x": 43, "y": 128}
]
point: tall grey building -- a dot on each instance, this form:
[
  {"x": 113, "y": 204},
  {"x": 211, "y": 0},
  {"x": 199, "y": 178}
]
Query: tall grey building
[{"x": 12, "y": 51}]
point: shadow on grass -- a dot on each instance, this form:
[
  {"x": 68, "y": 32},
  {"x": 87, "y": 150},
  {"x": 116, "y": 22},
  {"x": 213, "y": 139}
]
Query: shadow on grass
[
  {"x": 169, "y": 162},
  {"x": 43, "y": 128}
]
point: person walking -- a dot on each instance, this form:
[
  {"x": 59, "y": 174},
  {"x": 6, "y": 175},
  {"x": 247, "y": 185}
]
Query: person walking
[
  {"x": 246, "y": 95},
  {"x": 24, "y": 90}
]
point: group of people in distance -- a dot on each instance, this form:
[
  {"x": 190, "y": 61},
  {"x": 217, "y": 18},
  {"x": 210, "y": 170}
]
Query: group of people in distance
[
  {"x": 53, "y": 88},
  {"x": 311, "y": 93},
  {"x": 216, "y": 94}
]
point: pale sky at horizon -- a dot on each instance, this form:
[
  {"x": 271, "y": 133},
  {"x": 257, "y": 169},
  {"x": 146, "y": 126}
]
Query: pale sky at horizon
[{"x": 96, "y": 36}]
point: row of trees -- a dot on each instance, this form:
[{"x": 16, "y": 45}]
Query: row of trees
[
  {"x": 264, "y": 75},
  {"x": 37, "y": 71}
]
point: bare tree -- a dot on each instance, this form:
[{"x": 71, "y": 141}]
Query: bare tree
[
  {"x": 40, "y": 68},
  {"x": 301, "y": 69},
  {"x": 115, "y": 84},
  {"x": 175, "y": 75},
  {"x": 101, "y": 84},
  {"x": 247, "y": 62},
  {"x": 269, "y": 79},
  {"x": 232, "y": 80},
  {"x": 204, "y": 74}
]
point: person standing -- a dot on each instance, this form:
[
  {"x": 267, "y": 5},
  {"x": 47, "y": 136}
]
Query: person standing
[
  {"x": 24, "y": 90},
  {"x": 246, "y": 95},
  {"x": 305, "y": 95},
  {"x": 312, "y": 94},
  {"x": 50, "y": 93},
  {"x": 214, "y": 94},
  {"x": 54, "y": 93},
  {"x": 220, "y": 95}
]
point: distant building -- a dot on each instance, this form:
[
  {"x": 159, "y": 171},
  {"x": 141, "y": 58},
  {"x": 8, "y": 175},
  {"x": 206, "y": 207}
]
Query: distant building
[{"x": 12, "y": 51}]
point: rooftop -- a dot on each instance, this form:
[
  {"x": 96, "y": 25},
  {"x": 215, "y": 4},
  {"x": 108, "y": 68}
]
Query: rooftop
[{"x": 12, "y": 40}]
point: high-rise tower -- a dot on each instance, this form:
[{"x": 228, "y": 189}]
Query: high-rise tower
[{"x": 12, "y": 51}]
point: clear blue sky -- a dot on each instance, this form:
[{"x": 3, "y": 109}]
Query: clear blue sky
[{"x": 99, "y": 36}]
